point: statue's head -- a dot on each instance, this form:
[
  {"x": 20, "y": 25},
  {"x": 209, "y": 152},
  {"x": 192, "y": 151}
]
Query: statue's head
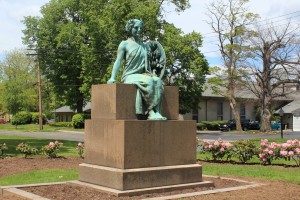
[{"x": 134, "y": 27}]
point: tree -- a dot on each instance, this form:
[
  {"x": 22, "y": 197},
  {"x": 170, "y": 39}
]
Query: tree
[
  {"x": 77, "y": 40},
  {"x": 276, "y": 54},
  {"x": 186, "y": 66},
  {"x": 19, "y": 80},
  {"x": 228, "y": 19}
]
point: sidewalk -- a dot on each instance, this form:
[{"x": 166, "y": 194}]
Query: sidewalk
[{"x": 230, "y": 136}]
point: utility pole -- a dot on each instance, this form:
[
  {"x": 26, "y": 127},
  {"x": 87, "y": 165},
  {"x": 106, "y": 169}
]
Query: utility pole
[
  {"x": 39, "y": 84},
  {"x": 40, "y": 98}
]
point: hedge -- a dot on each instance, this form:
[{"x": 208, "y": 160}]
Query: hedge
[
  {"x": 22, "y": 117},
  {"x": 35, "y": 118},
  {"x": 61, "y": 124}
]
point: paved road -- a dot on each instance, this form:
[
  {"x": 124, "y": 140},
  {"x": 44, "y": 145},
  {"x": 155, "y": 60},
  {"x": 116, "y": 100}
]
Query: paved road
[
  {"x": 209, "y": 135},
  {"x": 62, "y": 135},
  {"x": 230, "y": 136}
]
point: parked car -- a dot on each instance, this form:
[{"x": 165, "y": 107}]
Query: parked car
[
  {"x": 275, "y": 125},
  {"x": 2, "y": 121},
  {"x": 246, "y": 124}
]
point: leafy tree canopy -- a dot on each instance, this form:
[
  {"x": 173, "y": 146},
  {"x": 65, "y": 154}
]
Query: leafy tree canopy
[
  {"x": 186, "y": 65},
  {"x": 77, "y": 42},
  {"x": 18, "y": 91}
]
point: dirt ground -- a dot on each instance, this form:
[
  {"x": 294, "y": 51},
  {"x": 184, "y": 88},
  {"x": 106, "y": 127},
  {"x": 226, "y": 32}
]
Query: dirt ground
[{"x": 271, "y": 190}]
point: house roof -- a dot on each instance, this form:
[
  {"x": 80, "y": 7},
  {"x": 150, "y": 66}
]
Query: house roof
[
  {"x": 239, "y": 93},
  {"x": 209, "y": 92},
  {"x": 67, "y": 109},
  {"x": 297, "y": 111},
  {"x": 294, "y": 105}
]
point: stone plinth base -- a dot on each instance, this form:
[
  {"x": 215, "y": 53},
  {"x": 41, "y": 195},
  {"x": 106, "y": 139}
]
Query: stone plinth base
[
  {"x": 128, "y": 179},
  {"x": 117, "y": 101},
  {"x": 129, "y": 144},
  {"x": 120, "y": 193},
  {"x": 125, "y": 154},
  {"x": 133, "y": 154}
]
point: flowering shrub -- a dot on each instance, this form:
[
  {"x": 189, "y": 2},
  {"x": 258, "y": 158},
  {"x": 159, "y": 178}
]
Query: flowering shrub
[
  {"x": 268, "y": 151},
  {"x": 291, "y": 150},
  {"x": 80, "y": 148},
  {"x": 51, "y": 149},
  {"x": 26, "y": 149},
  {"x": 218, "y": 148},
  {"x": 3, "y": 148},
  {"x": 244, "y": 150}
]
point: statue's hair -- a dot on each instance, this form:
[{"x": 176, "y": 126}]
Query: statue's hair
[{"x": 130, "y": 24}]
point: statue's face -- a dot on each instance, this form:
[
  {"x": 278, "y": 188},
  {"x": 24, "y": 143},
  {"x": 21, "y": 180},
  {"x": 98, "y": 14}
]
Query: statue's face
[{"x": 137, "y": 29}]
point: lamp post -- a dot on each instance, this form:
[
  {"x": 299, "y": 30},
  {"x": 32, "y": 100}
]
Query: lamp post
[{"x": 281, "y": 114}]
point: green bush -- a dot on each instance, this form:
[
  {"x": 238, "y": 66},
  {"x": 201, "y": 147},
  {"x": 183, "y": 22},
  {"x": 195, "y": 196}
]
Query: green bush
[
  {"x": 26, "y": 149},
  {"x": 3, "y": 148},
  {"x": 209, "y": 125},
  {"x": 35, "y": 118},
  {"x": 244, "y": 150},
  {"x": 87, "y": 116},
  {"x": 22, "y": 117},
  {"x": 61, "y": 124},
  {"x": 78, "y": 121},
  {"x": 51, "y": 149},
  {"x": 201, "y": 126}
]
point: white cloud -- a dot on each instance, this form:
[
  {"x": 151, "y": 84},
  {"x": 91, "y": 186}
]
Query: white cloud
[{"x": 11, "y": 14}]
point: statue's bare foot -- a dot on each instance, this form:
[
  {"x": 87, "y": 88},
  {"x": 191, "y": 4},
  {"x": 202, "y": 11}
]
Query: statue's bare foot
[
  {"x": 155, "y": 116},
  {"x": 159, "y": 116},
  {"x": 151, "y": 115}
]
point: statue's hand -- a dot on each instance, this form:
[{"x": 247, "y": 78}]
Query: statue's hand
[{"x": 111, "y": 80}]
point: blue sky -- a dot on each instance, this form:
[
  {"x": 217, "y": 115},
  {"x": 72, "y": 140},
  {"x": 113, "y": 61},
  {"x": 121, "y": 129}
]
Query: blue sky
[{"x": 13, "y": 11}]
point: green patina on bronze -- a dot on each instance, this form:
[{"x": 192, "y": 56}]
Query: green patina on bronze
[{"x": 144, "y": 67}]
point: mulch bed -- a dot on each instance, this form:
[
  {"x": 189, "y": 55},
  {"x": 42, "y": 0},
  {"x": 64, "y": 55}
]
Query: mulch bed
[{"x": 271, "y": 189}]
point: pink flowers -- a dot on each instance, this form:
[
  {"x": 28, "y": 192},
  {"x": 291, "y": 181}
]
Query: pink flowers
[
  {"x": 271, "y": 152},
  {"x": 283, "y": 153},
  {"x": 51, "y": 144},
  {"x": 51, "y": 149},
  {"x": 218, "y": 148},
  {"x": 288, "y": 150},
  {"x": 244, "y": 150},
  {"x": 80, "y": 148}
]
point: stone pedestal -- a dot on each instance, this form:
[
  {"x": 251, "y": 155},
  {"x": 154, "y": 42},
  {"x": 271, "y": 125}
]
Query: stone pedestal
[
  {"x": 125, "y": 154},
  {"x": 117, "y": 101}
]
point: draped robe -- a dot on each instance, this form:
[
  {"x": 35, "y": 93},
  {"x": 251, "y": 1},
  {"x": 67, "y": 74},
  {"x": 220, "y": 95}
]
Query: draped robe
[{"x": 138, "y": 72}]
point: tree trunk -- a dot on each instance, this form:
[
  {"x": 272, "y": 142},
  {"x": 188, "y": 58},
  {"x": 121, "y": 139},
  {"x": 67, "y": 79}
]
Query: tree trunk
[
  {"x": 232, "y": 102},
  {"x": 79, "y": 104},
  {"x": 266, "y": 115},
  {"x": 236, "y": 115}
]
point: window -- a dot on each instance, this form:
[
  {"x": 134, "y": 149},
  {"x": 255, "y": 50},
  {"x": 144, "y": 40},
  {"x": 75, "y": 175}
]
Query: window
[
  {"x": 195, "y": 115},
  {"x": 220, "y": 111},
  {"x": 242, "y": 111}
]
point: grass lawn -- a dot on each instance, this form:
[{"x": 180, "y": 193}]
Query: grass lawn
[
  {"x": 254, "y": 169},
  {"x": 68, "y": 148},
  {"x": 35, "y": 128},
  {"x": 40, "y": 176}
]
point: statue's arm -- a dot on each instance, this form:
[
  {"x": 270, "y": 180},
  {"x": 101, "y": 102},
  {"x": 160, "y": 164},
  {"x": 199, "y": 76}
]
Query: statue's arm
[
  {"x": 162, "y": 60},
  {"x": 118, "y": 62}
]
